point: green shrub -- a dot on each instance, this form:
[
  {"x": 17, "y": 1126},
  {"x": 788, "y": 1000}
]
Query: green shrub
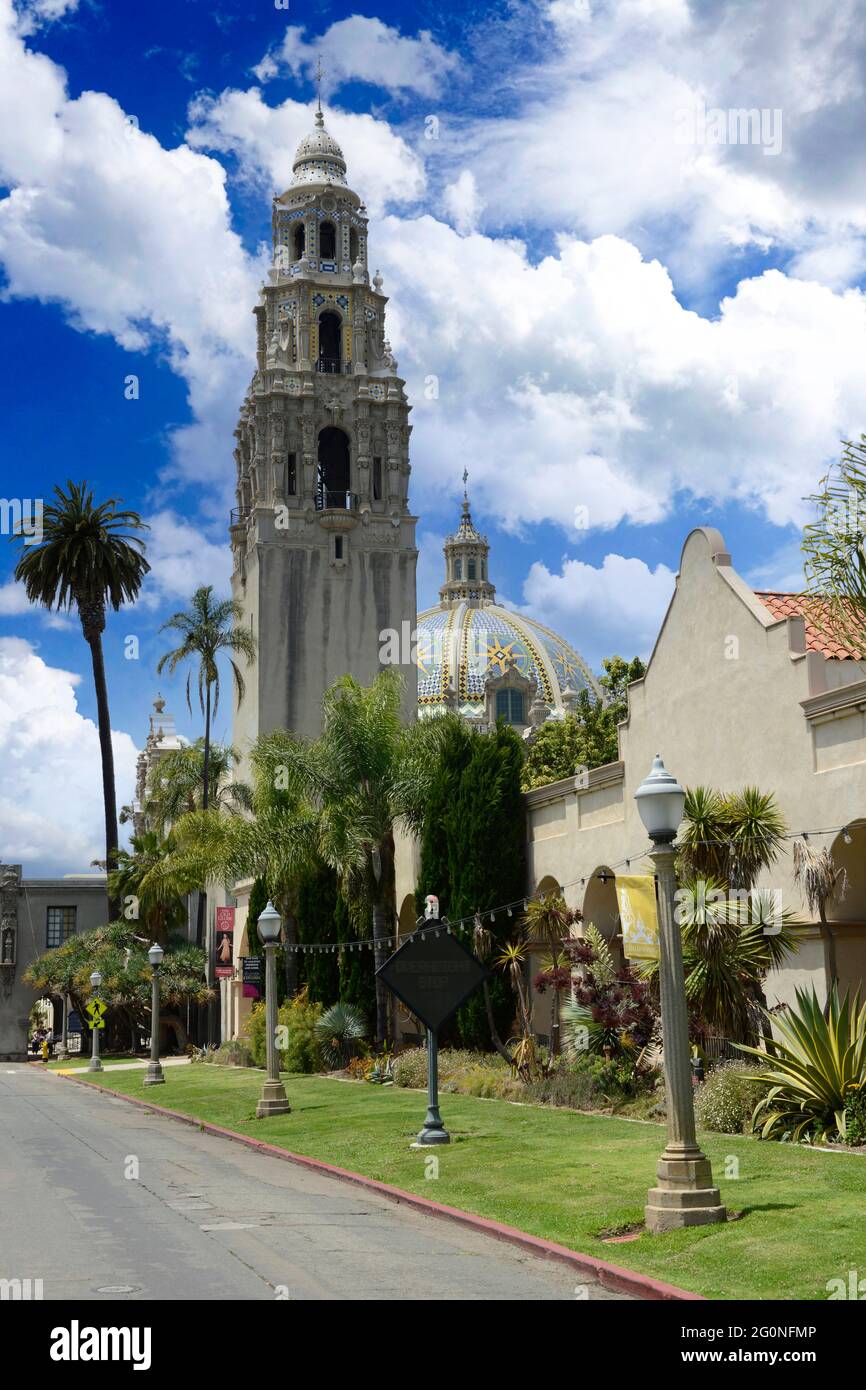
[
  {"x": 726, "y": 1101},
  {"x": 302, "y": 1052},
  {"x": 256, "y": 1034},
  {"x": 299, "y": 1017},
  {"x": 855, "y": 1114},
  {"x": 592, "y": 1083},
  {"x": 235, "y": 1053},
  {"x": 410, "y": 1066},
  {"x": 490, "y": 1083}
]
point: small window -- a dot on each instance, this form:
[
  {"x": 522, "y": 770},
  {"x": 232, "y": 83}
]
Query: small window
[
  {"x": 299, "y": 237},
  {"x": 338, "y": 547},
  {"x": 292, "y": 476},
  {"x": 509, "y": 706},
  {"x": 458, "y": 569},
  {"x": 60, "y": 925},
  {"x": 353, "y": 246},
  {"x": 328, "y": 241},
  {"x": 471, "y": 574},
  {"x": 377, "y": 479}
]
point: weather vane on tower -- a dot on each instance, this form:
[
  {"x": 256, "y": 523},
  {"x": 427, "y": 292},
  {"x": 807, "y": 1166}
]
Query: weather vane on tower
[{"x": 319, "y": 71}]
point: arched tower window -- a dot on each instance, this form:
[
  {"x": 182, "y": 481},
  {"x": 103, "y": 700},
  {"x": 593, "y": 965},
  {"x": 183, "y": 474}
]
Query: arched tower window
[
  {"x": 299, "y": 240},
  {"x": 334, "y": 473},
  {"x": 328, "y": 241},
  {"x": 329, "y": 342},
  {"x": 353, "y": 245}
]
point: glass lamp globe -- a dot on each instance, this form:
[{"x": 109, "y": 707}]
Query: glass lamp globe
[
  {"x": 96, "y": 979},
  {"x": 660, "y": 802},
  {"x": 269, "y": 924},
  {"x": 155, "y": 954}
]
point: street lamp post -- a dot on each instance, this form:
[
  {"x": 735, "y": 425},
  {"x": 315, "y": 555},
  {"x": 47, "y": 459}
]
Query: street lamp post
[
  {"x": 94, "y": 1064},
  {"x": 154, "y": 1074},
  {"x": 685, "y": 1195},
  {"x": 273, "y": 1099}
]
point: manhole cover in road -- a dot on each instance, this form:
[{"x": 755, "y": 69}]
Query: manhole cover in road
[{"x": 119, "y": 1288}]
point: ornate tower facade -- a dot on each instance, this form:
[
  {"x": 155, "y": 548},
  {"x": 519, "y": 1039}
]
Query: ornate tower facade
[{"x": 322, "y": 537}]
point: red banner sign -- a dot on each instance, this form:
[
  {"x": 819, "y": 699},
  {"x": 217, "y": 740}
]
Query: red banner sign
[{"x": 225, "y": 932}]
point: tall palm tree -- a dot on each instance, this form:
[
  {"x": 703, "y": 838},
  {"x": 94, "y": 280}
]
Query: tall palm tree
[
  {"x": 819, "y": 879},
  {"x": 157, "y": 878},
  {"x": 88, "y": 559},
  {"x": 547, "y": 921},
  {"x": 209, "y": 629}
]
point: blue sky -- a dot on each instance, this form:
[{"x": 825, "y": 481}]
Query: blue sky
[{"x": 630, "y": 319}]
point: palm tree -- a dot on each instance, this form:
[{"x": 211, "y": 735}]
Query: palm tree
[
  {"x": 547, "y": 921},
  {"x": 334, "y": 801},
  {"x": 156, "y": 879},
  {"x": 177, "y": 785},
  {"x": 209, "y": 629},
  {"x": 86, "y": 558},
  {"x": 819, "y": 879},
  {"x": 729, "y": 838},
  {"x": 365, "y": 772},
  {"x": 729, "y": 945}
]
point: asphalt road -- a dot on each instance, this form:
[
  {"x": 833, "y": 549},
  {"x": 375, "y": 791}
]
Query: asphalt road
[{"x": 199, "y": 1217}]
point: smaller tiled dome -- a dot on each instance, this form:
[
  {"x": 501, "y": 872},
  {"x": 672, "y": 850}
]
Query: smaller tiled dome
[
  {"x": 318, "y": 158},
  {"x": 485, "y": 660}
]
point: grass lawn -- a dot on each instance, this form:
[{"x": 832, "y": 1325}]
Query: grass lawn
[{"x": 563, "y": 1176}]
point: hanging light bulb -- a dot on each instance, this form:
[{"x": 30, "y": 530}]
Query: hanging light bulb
[{"x": 846, "y": 834}]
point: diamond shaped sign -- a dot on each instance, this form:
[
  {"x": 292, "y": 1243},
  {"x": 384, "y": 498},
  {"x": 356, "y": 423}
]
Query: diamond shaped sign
[{"x": 433, "y": 974}]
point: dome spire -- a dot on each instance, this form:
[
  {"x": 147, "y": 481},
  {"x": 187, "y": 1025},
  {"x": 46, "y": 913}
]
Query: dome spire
[{"x": 466, "y": 553}]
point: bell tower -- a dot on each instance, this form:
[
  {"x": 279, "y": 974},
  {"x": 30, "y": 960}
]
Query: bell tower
[{"x": 322, "y": 538}]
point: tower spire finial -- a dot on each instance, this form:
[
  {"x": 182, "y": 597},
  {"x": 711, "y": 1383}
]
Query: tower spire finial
[{"x": 319, "y": 84}]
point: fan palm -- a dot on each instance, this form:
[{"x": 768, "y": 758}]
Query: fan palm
[
  {"x": 209, "y": 629},
  {"x": 547, "y": 920},
  {"x": 151, "y": 880},
  {"x": 729, "y": 945},
  {"x": 88, "y": 558}
]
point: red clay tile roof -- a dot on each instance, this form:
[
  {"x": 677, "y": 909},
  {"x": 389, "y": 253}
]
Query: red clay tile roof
[{"x": 794, "y": 606}]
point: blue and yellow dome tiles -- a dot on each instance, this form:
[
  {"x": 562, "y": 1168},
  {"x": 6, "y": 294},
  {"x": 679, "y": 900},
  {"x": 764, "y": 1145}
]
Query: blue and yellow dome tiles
[{"x": 466, "y": 640}]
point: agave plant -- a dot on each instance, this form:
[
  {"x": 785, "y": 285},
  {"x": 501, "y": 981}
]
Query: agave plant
[
  {"x": 340, "y": 1029},
  {"x": 810, "y": 1067}
]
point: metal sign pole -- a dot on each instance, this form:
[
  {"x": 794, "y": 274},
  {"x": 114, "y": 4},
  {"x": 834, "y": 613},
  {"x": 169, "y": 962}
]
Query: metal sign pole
[{"x": 433, "y": 1130}]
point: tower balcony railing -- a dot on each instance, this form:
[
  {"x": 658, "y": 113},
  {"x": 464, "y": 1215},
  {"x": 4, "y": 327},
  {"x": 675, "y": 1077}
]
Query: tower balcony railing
[
  {"x": 332, "y": 366},
  {"x": 327, "y": 500},
  {"x": 238, "y": 516}
]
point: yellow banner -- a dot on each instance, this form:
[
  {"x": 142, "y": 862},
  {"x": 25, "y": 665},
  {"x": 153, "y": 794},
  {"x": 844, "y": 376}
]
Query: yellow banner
[{"x": 636, "y": 894}]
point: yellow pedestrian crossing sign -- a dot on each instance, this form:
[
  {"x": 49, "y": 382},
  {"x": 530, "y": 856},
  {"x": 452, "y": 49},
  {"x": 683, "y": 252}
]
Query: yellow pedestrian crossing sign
[{"x": 96, "y": 1010}]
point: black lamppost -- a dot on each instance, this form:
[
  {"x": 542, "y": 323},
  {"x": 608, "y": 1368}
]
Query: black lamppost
[
  {"x": 685, "y": 1195},
  {"x": 154, "y": 1074},
  {"x": 273, "y": 1100},
  {"x": 94, "y": 1063}
]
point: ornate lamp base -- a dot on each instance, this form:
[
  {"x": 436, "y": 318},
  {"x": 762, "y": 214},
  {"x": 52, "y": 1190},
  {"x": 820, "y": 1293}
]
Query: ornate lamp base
[
  {"x": 154, "y": 1075},
  {"x": 274, "y": 1100},
  {"x": 685, "y": 1195}
]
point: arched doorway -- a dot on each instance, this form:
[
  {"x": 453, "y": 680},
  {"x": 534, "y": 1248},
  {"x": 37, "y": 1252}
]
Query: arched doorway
[
  {"x": 848, "y": 909},
  {"x": 329, "y": 342},
  {"x": 334, "y": 469},
  {"x": 601, "y": 908}
]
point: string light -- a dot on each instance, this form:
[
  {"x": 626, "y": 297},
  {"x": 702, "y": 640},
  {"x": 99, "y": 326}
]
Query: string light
[{"x": 606, "y": 875}]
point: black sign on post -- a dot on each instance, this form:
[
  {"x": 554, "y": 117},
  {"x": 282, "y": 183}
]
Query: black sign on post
[{"x": 432, "y": 973}]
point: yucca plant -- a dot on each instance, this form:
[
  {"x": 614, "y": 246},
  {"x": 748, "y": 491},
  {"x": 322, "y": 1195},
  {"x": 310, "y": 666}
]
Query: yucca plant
[
  {"x": 810, "y": 1067},
  {"x": 340, "y": 1029}
]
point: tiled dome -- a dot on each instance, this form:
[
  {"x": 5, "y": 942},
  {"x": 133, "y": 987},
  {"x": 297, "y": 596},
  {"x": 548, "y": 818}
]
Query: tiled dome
[
  {"x": 318, "y": 158},
  {"x": 469, "y": 639}
]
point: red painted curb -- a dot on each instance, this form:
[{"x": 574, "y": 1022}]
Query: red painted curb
[{"x": 609, "y": 1276}]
